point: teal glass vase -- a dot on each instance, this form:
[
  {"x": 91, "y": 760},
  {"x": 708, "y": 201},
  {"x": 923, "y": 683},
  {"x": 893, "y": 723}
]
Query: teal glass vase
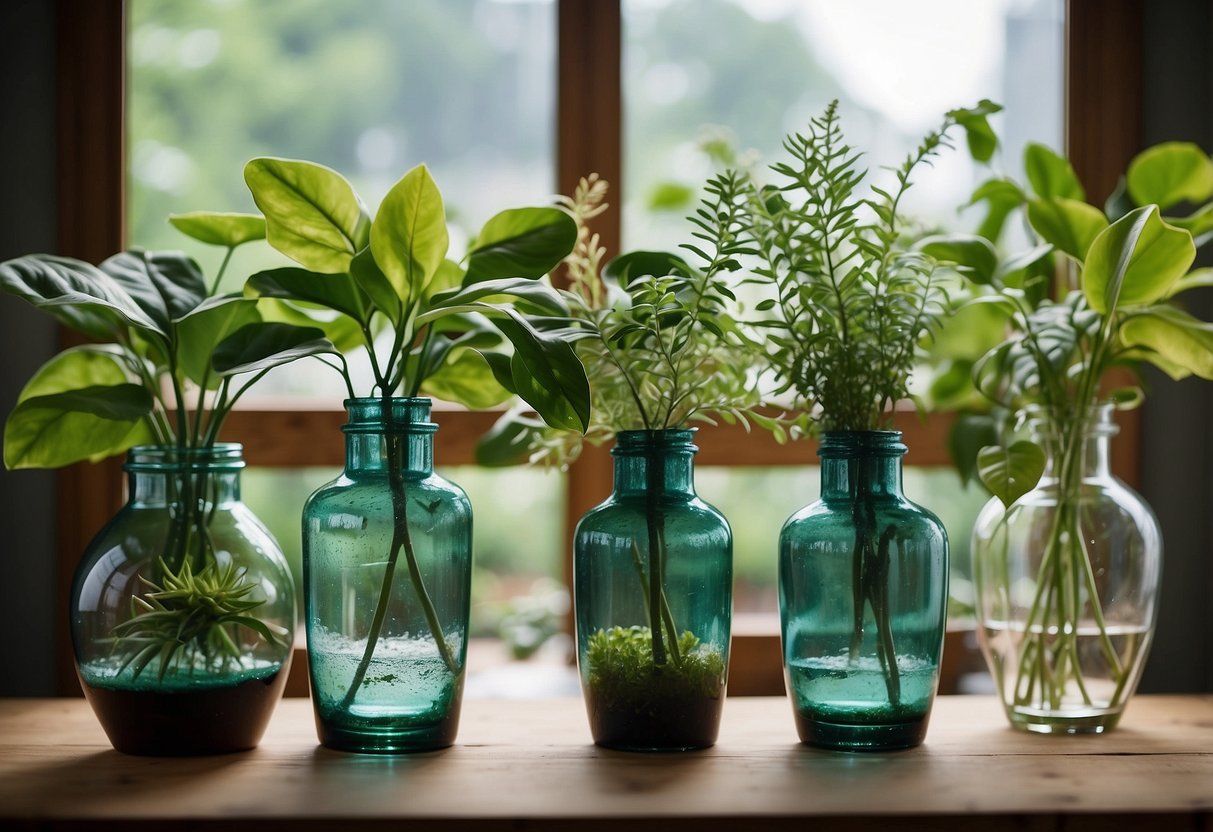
[
  {"x": 387, "y": 566},
  {"x": 863, "y": 588},
  {"x": 183, "y": 610},
  {"x": 653, "y": 594}
]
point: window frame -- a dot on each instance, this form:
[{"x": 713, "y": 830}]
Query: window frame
[{"x": 1103, "y": 95}]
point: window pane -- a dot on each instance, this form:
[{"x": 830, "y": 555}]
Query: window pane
[
  {"x": 518, "y": 536},
  {"x": 368, "y": 87},
  {"x": 753, "y": 70}
]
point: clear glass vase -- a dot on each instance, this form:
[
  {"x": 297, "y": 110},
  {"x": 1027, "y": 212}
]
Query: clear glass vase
[
  {"x": 863, "y": 588},
  {"x": 387, "y": 568},
  {"x": 183, "y": 609},
  {"x": 1067, "y": 585},
  {"x": 653, "y": 594}
]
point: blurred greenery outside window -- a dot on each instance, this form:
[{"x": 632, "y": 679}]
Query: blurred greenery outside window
[{"x": 372, "y": 87}]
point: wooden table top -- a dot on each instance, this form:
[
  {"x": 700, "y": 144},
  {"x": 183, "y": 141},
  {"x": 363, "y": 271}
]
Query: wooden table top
[{"x": 529, "y": 765}]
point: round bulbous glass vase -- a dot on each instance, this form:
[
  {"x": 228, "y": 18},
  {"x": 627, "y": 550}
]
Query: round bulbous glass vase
[
  {"x": 183, "y": 610},
  {"x": 1066, "y": 586},
  {"x": 653, "y": 594},
  {"x": 387, "y": 565},
  {"x": 863, "y": 588}
]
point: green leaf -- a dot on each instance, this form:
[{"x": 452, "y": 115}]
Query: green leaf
[
  {"x": 974, "y": 257},
  {"x": 166, "y": 285},
  {"x": 1195, "y": 279},
  {"x": 258, "y": 347},
  {"x": 637, "y": 264},
  {"x": 312, "y": 214},
  {"x": 521, "y": 242},
  {"x": 1170, "y": 173},
  {"x": 1002, "y": 197},
  {"x": 969, "y": 434},
  {"x": 342, "y": 330},
  {"x": 374, "y": 284},
  {"x": 1175, "y": 335},
  {"x": 1051, "y": 175},
  {"x": 1135, "y": 261},
  {"x": 76, "y": 293},
  {"x": 338, "y": 292},
  {"x": 978, "y": 133},
  {"x": 1009, "y": 473},
  {"x": 1199, "y": 224},
  {"x": 1118, "y": 202},
  {"x": 77, "y": 407},
  {"x": 669, "y": 196},
  {"x": 409, "y": 237},
  {"x": 547, "y": 374},
  {"x": 1068, "y": 224},
  {"x": 201, "y": 331},
  {"x": 1127, "y": 398},
  {"x": 508, "y": 442},
  {"x": 529, "y": 296},
  {"x": 220, "y": 229},
  {"x": 468, "y": 380}
]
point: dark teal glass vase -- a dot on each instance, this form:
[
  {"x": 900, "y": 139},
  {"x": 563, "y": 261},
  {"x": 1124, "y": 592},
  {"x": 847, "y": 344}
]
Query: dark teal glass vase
[
  {"x": 653, "y": 592},
  {"x": 387, "y": 566},
  {"x": 863, "y": 588},
  {"x": 183, "y": 610}
]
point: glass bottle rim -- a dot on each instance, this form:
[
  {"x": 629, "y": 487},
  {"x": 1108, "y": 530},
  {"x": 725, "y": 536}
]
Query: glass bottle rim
[
  {"x": 409, "y": 415},
  {"x": 840, "y": 444},
  {"x": 222, "y": 456},
  {"x": 639, "y": 442},
  {"x": 1038, "y": 419}
]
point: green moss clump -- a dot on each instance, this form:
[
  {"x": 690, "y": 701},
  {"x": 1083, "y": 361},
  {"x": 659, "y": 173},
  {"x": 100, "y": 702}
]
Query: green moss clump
[{"x": 622, "y": 672}]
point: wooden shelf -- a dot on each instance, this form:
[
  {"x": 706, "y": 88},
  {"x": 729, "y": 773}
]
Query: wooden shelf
[{"x": 529, "y": 765}]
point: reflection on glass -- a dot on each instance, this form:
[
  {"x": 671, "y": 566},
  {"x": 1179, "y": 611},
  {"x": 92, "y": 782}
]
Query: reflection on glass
[{"x": 746, "y": 72}]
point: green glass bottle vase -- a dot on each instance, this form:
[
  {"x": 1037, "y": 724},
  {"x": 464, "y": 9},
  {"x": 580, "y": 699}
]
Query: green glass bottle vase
[
  {"x": 653, "y": 593},
  {"x": 387, "y": 565},
  {"x": 863, "y": 588},
  {"x": 1067, "y": 584},
  {"x": 183, "y": 610}
]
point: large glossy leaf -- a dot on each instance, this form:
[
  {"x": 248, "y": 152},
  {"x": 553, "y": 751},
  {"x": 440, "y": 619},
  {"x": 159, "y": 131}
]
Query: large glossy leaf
[
  {"x": 77, "y": 406},
  {"x": 468, "y": 380},
  {"x": 1050, "y": 175},
  {"x": 1009, "y": 473},
  {"x": 547, "y": 374},
  {"x": 508, "y": 441},
  {"x": 528, "y": 296},
  {"x": 1175, "y": 335},
  {"x": 1068, "y": 224},
  {"x": 166, "y": 285},
  {"x": 220, "y": 229},
  {"x": 969, "y": 434},
  {"x": 973, "y": 256},
  {"x": 1170, "y": 173},
  {"x": 258, "y": 347},
  {"x": 1136, "y": 260},
  {"x": 375, "y": 285},
  {"x": 342, "y": 330},
  {"x": 77, "y": 293},
  {"x": 1199, "y": 224},
  {"x": 338, "y": 292},
  {"x": 1195, "y": 279},
  {"x": 521, "y": 242},
  {"x": 311, "y": 212},
  {"x": 978, "y": 134},
  {"x": 409, "y": 237},
  {"x": 201, "y": 331}
]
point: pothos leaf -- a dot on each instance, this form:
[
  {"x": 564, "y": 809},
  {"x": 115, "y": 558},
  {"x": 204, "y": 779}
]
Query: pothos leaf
[
  {"x": 521, "y": 242},
  {"x": 1011, "y": 472},
  {"x": 408, "y": 236},
  {"x": 257, "y": 347},
  {"x": 220, "y": 229}
]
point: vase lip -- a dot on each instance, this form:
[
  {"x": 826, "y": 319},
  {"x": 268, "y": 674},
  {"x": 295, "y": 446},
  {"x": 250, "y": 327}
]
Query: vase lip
[
  {"x": 837, "y": 444},
  {"x": 1042, "y": 422},
  {"x": 636, "y": 442},
  {"x": 222, "y": 456},
  {"x": 407, "y": 414}
]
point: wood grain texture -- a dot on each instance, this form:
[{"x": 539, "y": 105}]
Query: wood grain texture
[{"x": 530, "y": 766}]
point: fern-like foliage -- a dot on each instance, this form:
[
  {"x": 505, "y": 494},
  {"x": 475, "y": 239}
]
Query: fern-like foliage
[
  {"x": 848, "y": 304},
  {"x": 658, "y": 339}
]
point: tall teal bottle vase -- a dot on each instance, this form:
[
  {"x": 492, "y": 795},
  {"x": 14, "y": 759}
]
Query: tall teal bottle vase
[
  {"x": 653, "y": 590},
  {"x": 387, "y": 573},
  {"x": 863, "y": 588}
]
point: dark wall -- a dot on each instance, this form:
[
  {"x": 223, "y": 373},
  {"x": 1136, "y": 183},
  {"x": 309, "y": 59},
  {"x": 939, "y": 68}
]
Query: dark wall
[
  {"x": 1178, "y": 418},
  {"x": 28, "y": 609}
]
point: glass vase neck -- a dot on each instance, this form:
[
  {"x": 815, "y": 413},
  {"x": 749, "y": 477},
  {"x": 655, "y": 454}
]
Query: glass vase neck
[
  {"x": 379, "y": 429},
  {"x": 855, "y": 463},
  {"x": 162, "y": 474},
  {"x": 654, "y": 462},
  {"x": 1089, "y": 443}
]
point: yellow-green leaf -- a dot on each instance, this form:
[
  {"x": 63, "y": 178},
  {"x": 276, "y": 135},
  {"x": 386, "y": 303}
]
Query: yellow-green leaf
[
  {"x": 408, "y": 237},
  {"x": 1135, "y": 261},
  {"x": 1169, "y": 173}
]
